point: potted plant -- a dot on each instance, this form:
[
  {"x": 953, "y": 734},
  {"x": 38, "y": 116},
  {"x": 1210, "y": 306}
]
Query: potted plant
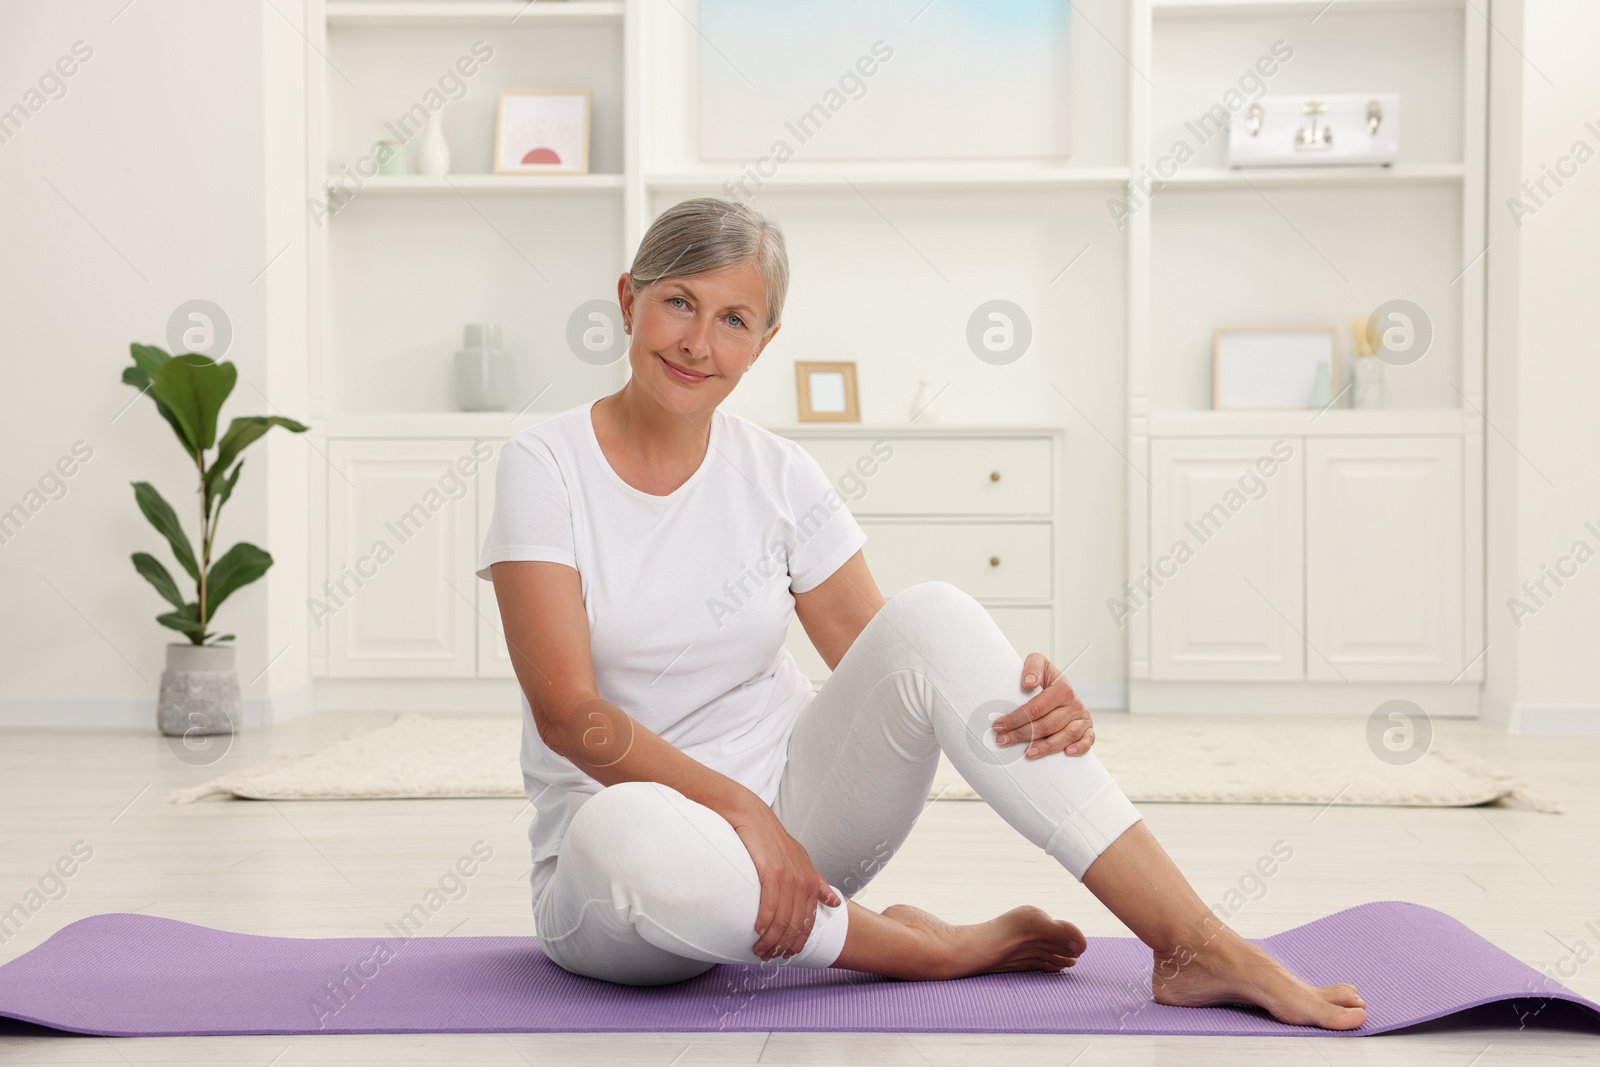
[{"x": 199, "y": 688}]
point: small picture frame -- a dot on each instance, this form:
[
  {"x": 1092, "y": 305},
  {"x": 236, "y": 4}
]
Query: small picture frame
[
  {"x": 542, "y": 131},
  {"x": 827, "y": 391},
  {"x": 1270, "y": 367}
]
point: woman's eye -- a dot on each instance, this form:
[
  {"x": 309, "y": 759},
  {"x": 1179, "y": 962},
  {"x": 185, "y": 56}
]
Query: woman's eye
[
  {"x": 735, "y": 320},
  {"x": 677, "y": 300}
]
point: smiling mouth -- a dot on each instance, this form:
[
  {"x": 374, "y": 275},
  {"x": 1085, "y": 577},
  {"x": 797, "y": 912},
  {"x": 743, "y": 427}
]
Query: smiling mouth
[{"x": 681, "y": 373}]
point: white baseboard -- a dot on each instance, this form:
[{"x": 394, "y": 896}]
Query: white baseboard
[
  {"x": 1437, "y": 699},
  {"x": 1563, "y": 720},
  {"x": 104, "y": 713},
  {"x": 139, "y": 713},
  {"x": 290, "y": 704}
]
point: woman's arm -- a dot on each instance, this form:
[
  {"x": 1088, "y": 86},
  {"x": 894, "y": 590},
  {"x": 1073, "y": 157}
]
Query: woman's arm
[
  {"x": 547, "y": 636},
  {"x": 835, "y": 612}
]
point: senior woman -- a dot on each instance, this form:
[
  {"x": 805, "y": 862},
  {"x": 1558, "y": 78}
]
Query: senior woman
[{"x": 697, "y": 801}]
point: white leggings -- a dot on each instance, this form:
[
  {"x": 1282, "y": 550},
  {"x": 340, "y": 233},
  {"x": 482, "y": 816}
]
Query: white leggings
[{"x": 651, "y": 887}]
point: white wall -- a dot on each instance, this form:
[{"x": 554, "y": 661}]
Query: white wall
[
  {"x": 140, "y": 188},
  {"x": 1544, "y": 377}
]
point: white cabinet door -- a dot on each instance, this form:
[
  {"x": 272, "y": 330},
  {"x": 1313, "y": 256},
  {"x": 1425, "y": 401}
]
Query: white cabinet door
[
  {"x": 493, "y": 659},
  {"x": 400, "y": 557},
  {"x": 1226, "y": 544},
  {"x": 1384, "y": 537}
]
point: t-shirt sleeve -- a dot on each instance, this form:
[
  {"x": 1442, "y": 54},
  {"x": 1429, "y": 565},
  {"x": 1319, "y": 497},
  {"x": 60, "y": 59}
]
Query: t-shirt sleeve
[
  {"x": 826, "y": 534},
  {"x": 532, "y": 510}
]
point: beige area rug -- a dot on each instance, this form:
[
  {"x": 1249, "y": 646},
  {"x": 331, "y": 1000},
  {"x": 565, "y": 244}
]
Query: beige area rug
[{"x": 1155, "y": 758}]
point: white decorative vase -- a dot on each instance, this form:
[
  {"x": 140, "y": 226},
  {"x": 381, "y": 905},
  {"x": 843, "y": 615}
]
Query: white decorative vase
[
  {"x": 483, "y": 371},
  {"x": 199, "y": 691},
  {"x": 433, "y": 152}
]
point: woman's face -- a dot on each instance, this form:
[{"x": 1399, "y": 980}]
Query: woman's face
[{"x": 709, "y": 326}]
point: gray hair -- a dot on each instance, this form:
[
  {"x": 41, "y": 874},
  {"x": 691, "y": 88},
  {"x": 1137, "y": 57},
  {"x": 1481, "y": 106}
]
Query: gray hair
[{"x": 707, "y": 234}]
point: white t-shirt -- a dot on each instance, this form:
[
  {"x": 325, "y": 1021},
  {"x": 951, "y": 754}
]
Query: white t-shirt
[{"x": 689, "y": 596}]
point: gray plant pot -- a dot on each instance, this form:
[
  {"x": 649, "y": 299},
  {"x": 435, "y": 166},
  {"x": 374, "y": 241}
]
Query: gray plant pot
[{"x": 199, "y": 691}]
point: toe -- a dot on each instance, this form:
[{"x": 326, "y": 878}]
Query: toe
[
  {"x": 1072, "y": 940},
  {"x": 1344, "y": 994},
  {"x": 1347, "y": 1018}
]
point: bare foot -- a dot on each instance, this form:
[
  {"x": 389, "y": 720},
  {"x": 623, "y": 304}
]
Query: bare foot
[
  {"x": 1231, "y": 970},
  {"x": 1025, "y": 938}
]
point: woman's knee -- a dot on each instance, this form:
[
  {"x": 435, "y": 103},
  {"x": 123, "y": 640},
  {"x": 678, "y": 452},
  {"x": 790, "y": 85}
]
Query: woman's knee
[
  {"x": 942, "y": 622},
  {"x": 933, "y": 597}
]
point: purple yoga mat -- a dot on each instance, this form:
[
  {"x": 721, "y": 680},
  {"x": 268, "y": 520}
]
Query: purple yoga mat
[{"x": 126, "y": 975}]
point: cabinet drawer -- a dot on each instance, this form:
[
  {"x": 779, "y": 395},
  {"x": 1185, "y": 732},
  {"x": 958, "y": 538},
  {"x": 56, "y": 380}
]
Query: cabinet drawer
[
  {"x": 938, "y": 475},
  {"x": 1027, "y": 628},
  {"x": 989, "y": 560}
]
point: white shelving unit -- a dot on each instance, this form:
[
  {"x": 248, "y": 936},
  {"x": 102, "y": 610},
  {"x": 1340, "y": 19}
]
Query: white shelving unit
[
  {"x": 1423, "y": 221},
  {"x": 412, "y": 257}
]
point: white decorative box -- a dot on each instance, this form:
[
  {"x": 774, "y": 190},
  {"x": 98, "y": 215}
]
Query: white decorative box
[{"x": 1327, "y": 129}]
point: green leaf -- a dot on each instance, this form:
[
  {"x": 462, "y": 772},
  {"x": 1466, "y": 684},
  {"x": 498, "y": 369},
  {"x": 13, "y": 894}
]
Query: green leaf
[
  {"x": 224, "y": 637},
  {"x": 239, "y": 566},
  {"x": 194, "y": 387},
  {"x": 165, "y": 520},
  {"x": 147, "y": 359},
  {"x": 242, "y": 432},
  {"x": 185, "y": 620},
  {"x": 157, "y": 575},
  {"x": 226, "y": 489}
]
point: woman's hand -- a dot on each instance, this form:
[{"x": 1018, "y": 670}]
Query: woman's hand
[
  {"x": 790, "y": 885},
  {"x": 1053, "y": 721}
]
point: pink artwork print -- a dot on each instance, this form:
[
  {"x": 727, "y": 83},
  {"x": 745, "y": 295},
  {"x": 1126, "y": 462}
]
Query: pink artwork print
[{"x": 543, "y": 131}]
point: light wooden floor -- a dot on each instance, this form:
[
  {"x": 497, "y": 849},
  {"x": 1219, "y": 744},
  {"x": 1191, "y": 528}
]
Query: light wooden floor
[{"x": 1527, "y": 881}]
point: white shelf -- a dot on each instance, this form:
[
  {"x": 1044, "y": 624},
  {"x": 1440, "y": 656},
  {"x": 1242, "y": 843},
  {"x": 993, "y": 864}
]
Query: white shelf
[
  {"x": 496, "y": 183},
  {"x": 1313, "y": 8},
  {"x": 1418, "y": 174},
  {"x": 878, "y": 176},
  {"x": 1334, "y": 422},
  {"x": 504, "y": 13}
]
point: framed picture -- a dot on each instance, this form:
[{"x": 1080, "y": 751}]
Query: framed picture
[
  {"x": 1271, "y": 367},
  {"x": 542, "y": 131},
  {"x": 827, "y": 392}
]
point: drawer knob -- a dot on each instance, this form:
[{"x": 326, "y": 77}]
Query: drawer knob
[
  {"x": 994, "y": 476},
  {"x": 994, "y": 561}
]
